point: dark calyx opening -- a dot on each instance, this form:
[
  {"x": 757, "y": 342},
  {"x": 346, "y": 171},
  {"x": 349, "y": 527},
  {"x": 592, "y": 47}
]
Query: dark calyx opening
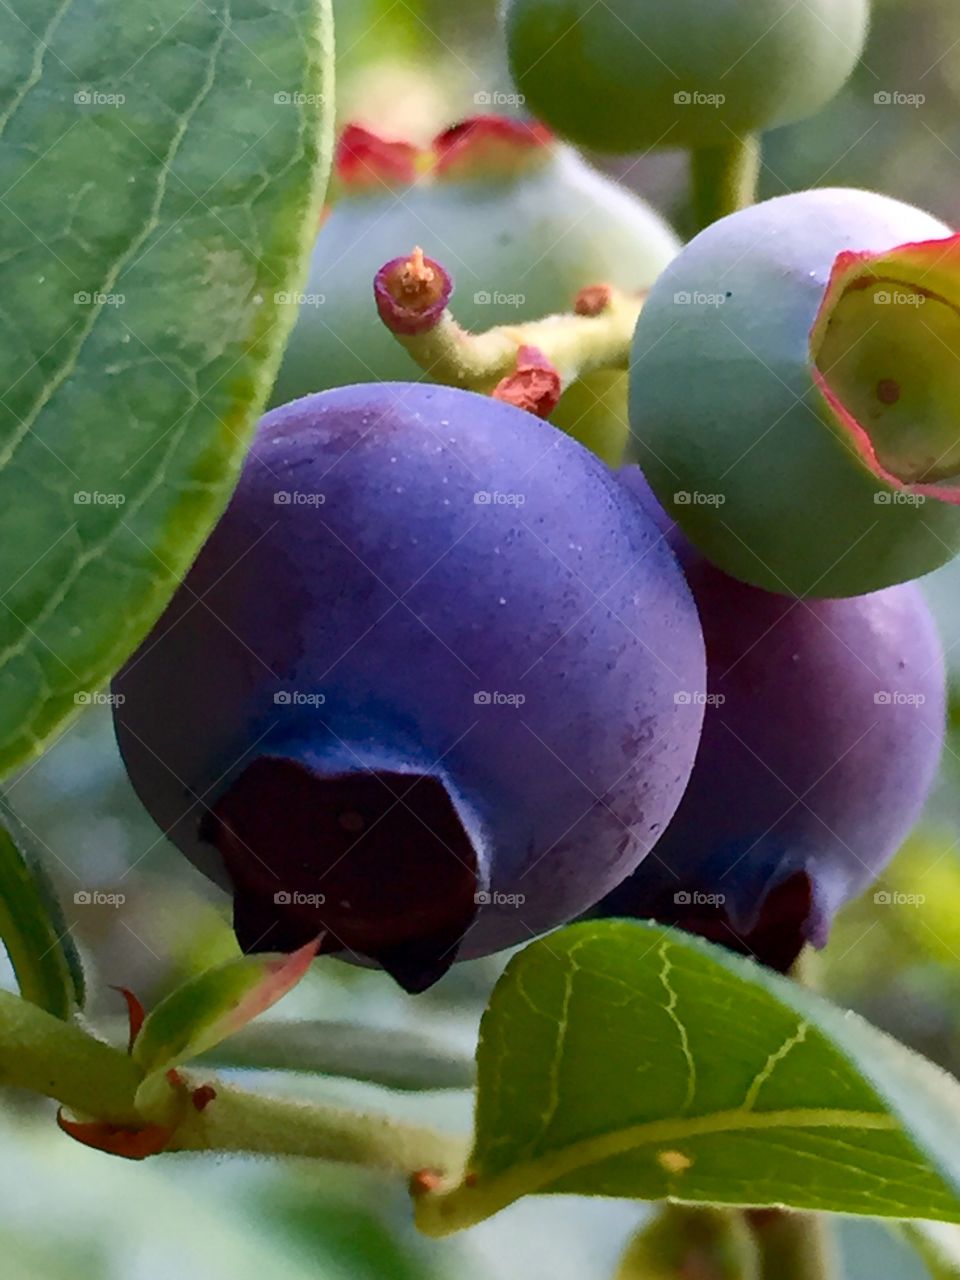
[
  {"x": 376, "y": 863},
  {"x": 777, "y": 937}
]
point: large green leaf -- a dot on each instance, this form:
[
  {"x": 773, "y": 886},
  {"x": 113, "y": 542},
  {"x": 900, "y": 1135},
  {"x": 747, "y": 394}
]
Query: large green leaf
[
  {"x": 161, "y": 169},
  {"x": 618, "y": 1058},
  {"x": 32, "y": 927}
]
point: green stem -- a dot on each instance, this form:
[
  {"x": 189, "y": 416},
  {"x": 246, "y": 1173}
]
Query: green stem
[
  {"x": 451, "y": 1207},
  {"x": 574, "y": 344},
  {"x": 793, "y": 1246},
  {"x": 724, "y": 178},
  {"x": 41, "y": 1053},
  {"x": 61, "y": 1060},
  {"x": 241, "y": 1121}
]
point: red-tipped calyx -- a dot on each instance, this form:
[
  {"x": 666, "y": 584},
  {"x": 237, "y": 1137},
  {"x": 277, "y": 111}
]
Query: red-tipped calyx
[
  {"x": 117, "y": 1140},
  {"x": 365, "y": 160},
  {"x": 412, "y": 293},
  {"x": 593, "y": 299},
  {"x": 490, "y": 146},
  {"x": 135, "y": 1015},
  {"x": 882, "y": 356},
  {"x": 535, "y": 386}
]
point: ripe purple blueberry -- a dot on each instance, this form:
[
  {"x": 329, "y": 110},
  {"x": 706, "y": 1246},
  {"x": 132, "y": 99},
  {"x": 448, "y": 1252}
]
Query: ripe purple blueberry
[
  {"x": 418, "y": 692},
  {"x": 823, "y": 727}
]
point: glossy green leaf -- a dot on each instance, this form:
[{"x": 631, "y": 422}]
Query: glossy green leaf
[
  {"x": 208, "y": 1008},
  {"x": 619, "y": 1058},
  {"x": 32, "y": 926},
  {"x": 161, "y": 170}
]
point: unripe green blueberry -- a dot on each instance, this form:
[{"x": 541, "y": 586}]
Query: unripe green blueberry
[
  {"x": 795, "y": 392},
  {"x": 521, "y": 222},
  {"x": 623, "y": 75}
]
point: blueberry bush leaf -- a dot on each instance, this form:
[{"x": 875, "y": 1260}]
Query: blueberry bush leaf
[
  {"x": 161, "y": 171},
  {"x": 620, "y": 1058},
  {"x": 210, "y": 1006},
  {"x": 32, "y": 927}
]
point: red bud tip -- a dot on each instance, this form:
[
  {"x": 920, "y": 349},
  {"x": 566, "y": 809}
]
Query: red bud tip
[
  {"x": 424, "y": 1180},
  {"x": 131, "y": 1144},
  {"x": 364, "y": 159},
  {"x": 535, "y": 387},
  {"x": 203, "y": 1096},
  {"x": 488, "y": 146},
  {"x": 412, "y": 293},
  {"x": 593, "y": 299},
  {"x": 135, "y": 1013}
]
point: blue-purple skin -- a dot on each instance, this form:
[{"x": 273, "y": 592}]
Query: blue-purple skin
[
  {"x": 436, "y": 545},
  {"x": 821, "y": 738}
]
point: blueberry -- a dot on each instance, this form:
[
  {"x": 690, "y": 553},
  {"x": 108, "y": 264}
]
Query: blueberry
[
  {"x": 794, "y": 391},
  {"x": 626, "y": 75},
  {"x": 823, "y": 727},
  {"x": 418, "y": 693}
]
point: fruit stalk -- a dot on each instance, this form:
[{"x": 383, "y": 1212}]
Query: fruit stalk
[
  {"x": 724, "y": 178},
  {"x": 793, "y": 1246},
  {"x": 412, "y": 294},
  {"x": 62, "y": 1061}
]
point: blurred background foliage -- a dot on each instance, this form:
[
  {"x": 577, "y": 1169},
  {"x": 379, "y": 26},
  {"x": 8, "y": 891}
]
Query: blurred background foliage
[{"x": 409, "y": 68}]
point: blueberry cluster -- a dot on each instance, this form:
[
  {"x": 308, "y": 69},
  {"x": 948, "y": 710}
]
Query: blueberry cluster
[{"x": 442, "y": 679}]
